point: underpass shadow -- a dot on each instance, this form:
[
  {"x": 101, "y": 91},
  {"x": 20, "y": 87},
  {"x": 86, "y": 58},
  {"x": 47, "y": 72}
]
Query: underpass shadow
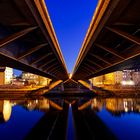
[
  {"x": 89, "y": 126},
  {"x": 51, "y": 126}
]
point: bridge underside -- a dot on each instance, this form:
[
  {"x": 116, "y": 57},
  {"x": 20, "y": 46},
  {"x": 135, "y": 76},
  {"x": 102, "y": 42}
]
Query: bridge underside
[
  {"x": 113, "y": 40},
  {"x": 27, "y": 39},
  {"x": 70, "y": 87}
]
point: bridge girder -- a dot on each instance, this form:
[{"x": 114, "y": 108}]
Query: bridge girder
[
  {"x": 27, "y": 39},
  {"x": 112, "y": 40}
]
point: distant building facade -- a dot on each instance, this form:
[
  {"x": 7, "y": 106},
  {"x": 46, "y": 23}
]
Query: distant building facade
[
  {"x": 6, "y": 75},
  {"x": 108, "y": 79},
  {"x": 125, "y": 77},
  {"x": 35, "y": 79}
]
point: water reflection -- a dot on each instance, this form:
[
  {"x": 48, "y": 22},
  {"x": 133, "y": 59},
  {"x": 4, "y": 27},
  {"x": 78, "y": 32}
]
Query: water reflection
[
  {"x": 117, "y": 106},
  {"x": 69, "y": 118},
  {"x": 5, "y": 110},
  {"x": 29, "y": 104},
  {"x": 18, "y": 117},
  {"x": 120, "y": 115},
  {"x": 37, "y": 104}
]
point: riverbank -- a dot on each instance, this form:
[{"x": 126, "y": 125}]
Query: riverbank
[
  {"x": 122, "y": 90},
  {"x": 14, "y": 90}
]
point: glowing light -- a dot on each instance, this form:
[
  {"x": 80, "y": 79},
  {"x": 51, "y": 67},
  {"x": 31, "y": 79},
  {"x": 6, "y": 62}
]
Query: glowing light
[
  {"x": 130, "y": 83},
  {"x": 36, "y": 101},
  {"x": 126, "y": 109}
]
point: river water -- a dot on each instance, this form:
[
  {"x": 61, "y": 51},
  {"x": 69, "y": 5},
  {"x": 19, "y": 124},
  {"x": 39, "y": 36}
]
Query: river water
[{"x": 69, "y": 118}]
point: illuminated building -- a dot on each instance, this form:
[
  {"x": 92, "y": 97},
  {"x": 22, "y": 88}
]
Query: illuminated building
[
  {"x": 108, "y": 79},
  {"x": 124, "y": 78},
  {"x": 97, "y": 81},
  {"x": 35, "y": 79},
  {"x": 131, "y": 77},
  {"x": 136, "y": 77},
  {"x": 6, "y": 75}
]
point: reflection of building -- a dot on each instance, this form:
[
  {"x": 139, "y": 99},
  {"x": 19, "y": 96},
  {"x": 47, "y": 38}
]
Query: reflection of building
[
  {"x": 5, "y": 110},
  {"x": 6, "y": 75},
  {"x": 42, "y": 105},
  {"x": 116, "y": 106},
  {"x": 35, "y": 79},
  {"x": 119, "y": 106},
  {"x": 97, "y": 104}
]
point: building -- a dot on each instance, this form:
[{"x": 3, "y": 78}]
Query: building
[
  {"x": 124, "y": 78},
  {"x": 112, "y": 78},
  {"x": 136, "y": 77},
  {"x": 6, "y": 75},
  {"x": 34, "y": 79}
]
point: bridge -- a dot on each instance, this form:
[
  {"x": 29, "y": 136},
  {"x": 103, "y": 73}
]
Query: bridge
[
  {"x": 28, "y": 41},
  {"x": 112, "y": 42}
]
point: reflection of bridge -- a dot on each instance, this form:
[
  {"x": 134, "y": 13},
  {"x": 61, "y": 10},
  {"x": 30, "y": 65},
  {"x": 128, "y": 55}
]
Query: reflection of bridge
[{"x": 28, "y": 41}]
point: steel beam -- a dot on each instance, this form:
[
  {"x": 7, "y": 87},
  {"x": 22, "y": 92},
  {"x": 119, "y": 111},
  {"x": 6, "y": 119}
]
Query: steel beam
[
  {"x": 55, "y": 71},
  {"x": 45, "y": 64},
  {"x": 41, "y": 58},
  {"x": 110, "y": 50},
  {"x": 94, "y": 63},
  {"x": 32, "y": 50},
  {"x": 52, "y": 67},
  {"x": 89, "y": 66},
  {"x": 100, "y": 58},
  {"x": 87, "y": 69},
  {"x": 15, "y": 36},
  {"x": 125, "y": 35}
]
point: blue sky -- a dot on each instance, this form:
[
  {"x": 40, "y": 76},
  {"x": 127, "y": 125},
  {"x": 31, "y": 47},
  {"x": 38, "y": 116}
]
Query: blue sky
[{"x": 70, "y": 19}]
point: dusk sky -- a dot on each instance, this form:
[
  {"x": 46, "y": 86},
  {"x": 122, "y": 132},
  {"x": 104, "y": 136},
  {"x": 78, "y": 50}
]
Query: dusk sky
[{"x": 70, "y": 19}]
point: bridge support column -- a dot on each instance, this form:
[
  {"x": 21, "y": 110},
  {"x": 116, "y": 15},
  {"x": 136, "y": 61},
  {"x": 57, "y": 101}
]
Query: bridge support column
[
  {"x": 44, "y": 90},
  {"x": 54, "y": 84},
  {"x": 87, "y": 85},
  {"x": 62, "y": 87},
  {"x": 91, "y": 85}
]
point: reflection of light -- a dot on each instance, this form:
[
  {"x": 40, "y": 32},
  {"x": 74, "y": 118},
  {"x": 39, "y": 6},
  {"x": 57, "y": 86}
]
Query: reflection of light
[
  {"x": 130, "y": 82},
  {"x": 31, "y": 105},
  {"x": 94, "y": 103},
  {"x": 44, "y": 104},
  {"x": 7, "y": 108},
  {"x": 125, "y": 103},
  {"x": 13, "y": 104},
  {"x": 126, "y": 109},
  {"x": 36, "y": 101},
  {"x": 125, "y": 106}
]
